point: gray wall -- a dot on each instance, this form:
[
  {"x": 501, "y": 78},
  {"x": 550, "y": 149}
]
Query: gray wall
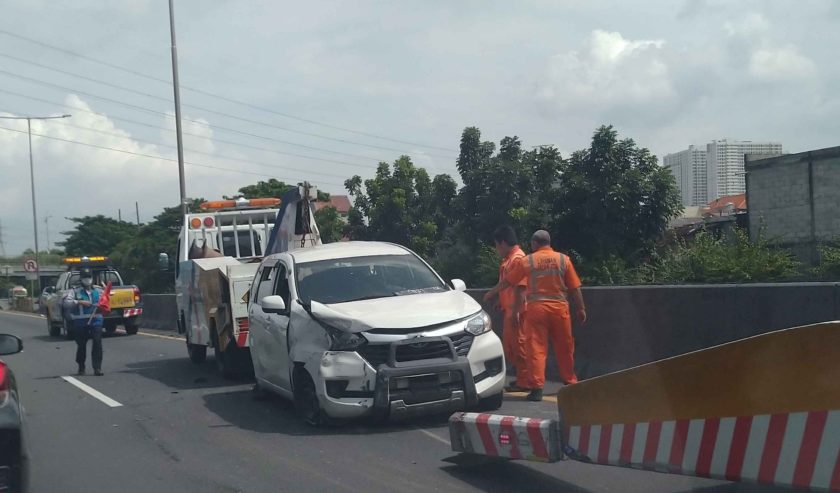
[
  {"x": 633, "y": 325},
  {"x": 796, "y": 199}
]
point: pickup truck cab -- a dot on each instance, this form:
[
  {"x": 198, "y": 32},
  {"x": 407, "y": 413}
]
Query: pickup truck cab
[
  {"x": 357, "y": 329},
  {"x": 126, "y": 304}
]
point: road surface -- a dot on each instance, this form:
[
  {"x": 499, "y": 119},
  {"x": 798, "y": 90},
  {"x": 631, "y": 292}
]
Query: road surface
[{"x": 156, "y": 422}]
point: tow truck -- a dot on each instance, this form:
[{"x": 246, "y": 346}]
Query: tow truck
[
  {"x": 765, "y": 409},
  {"x": 219, "y": 251},
  {"x": 126, "y": 303}
]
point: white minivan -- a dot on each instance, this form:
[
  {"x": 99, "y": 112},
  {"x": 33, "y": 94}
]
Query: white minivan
[{"x": 357, "y": 329}]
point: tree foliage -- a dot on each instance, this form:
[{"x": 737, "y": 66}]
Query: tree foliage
[
  {"x": 263, "y": 189},
  {"x": 97, "y": 235},
  {"x": 330, "y": 224},
  {"x": 401, "y": 204}
]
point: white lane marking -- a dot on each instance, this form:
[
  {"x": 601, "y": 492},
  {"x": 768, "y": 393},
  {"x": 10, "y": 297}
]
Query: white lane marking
[
  {"x": 432, "y": 435},
  {"x": 160, "y": 336},
  {"x": 8, "y": 312},
  {"x": 92, "y": 392}
]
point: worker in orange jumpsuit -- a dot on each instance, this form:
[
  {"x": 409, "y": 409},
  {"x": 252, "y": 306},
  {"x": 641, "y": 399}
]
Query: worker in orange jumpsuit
[
  {"x": 552, "y": 280},
  {"x": 511, "y": 302}
]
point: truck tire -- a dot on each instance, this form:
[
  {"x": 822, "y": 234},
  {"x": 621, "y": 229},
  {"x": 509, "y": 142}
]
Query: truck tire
[
  {"x": 53, "y": 329},
  {"x": 197, "y": 352},
  {"x": 110, "y": 327},
  {"x": 131, "y": 326},
  {"x": 306, "y": 399}
]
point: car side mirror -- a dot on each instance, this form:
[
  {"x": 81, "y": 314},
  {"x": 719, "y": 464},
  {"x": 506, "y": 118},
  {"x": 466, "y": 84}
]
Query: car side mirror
[
  {"x": 10, "y": 344},
  {"x": 459, "y": 285},
  {"x": 163, "y": 262},
  {"x": 273, "y": 304}
]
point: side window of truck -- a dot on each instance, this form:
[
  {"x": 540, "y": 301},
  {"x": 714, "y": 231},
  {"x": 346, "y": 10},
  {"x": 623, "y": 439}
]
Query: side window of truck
[
  {"x": 282, "y": 288},
  {"x": 265, "y": 283}
]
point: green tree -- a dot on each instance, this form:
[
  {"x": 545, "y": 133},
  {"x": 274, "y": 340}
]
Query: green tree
[
  {"x": 97, "y": 235},
  {"x": 612, "y": 199},
  {"x": 330, "y": 224},
  {"x": 264, "y": 189},
  {"x": 400, "y": 204}
]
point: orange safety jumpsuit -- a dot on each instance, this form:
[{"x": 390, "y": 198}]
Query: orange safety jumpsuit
[
  {"x": 512, "y": 339},
  {"x": 550, "y": 276}
]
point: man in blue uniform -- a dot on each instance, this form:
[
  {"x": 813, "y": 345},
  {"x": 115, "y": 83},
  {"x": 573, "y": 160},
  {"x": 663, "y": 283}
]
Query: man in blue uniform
[{"x": 81, "y": 303}]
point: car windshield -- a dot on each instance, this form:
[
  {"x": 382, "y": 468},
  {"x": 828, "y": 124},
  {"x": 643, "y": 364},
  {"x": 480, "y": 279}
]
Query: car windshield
[
  {"x": 360, "y": 278},
  {"x": 100, "y": 278}
]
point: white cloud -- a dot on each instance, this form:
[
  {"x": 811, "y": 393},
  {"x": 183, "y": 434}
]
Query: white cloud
[
  {"x": 753, "y": 24},
  {"x": 781, "y": 64},
  {"x": 608, "y": 70}
]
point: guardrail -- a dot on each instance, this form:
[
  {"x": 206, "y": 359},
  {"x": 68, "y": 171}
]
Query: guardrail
[{"x": 632, "y": 325}]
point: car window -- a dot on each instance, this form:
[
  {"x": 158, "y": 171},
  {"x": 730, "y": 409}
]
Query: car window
[
  {"x": 266, "y": 285},
  {"x": 282, "y": 287},
  {"x": 249, "y": 243},
  {"x": 357, "y": 278}
]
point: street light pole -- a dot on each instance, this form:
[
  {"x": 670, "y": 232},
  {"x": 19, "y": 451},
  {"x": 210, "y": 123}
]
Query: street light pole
[
  {"x": 32, "y": 181},
  {"x": 177, "y": 90}
]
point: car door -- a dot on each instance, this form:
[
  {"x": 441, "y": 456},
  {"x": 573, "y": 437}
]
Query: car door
[
  {"x": 257, "y": 319},
  {"x": 277, "y": 329}
]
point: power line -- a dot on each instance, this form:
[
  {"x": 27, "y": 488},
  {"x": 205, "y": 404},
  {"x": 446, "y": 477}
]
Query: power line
[
  {"x": 194, "y": 151},
  {"x": 167, "y": 115},
  {"x": 161, "y": 158},
  {"x": 217, "y": 96},
  {"x": 212, "y": 139}
]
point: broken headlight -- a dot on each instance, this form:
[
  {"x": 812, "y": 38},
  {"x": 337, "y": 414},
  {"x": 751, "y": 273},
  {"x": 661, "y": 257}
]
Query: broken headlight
[
  {"x": 344, "y": 341},
  {"x": 479, "y": 324}
]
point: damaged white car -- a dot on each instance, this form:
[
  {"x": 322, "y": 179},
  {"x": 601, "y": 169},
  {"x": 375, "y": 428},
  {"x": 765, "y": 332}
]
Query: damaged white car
[{"x": 364, "y": 328}]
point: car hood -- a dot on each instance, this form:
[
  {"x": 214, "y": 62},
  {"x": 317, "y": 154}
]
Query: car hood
[{"x": 397, "y": 312}]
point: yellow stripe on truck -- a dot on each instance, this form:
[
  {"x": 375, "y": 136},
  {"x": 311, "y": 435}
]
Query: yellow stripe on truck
[{"x": 787, "y": 371}]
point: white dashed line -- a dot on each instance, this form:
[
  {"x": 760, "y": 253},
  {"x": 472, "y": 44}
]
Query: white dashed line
[{"x": 92, "y": 392}]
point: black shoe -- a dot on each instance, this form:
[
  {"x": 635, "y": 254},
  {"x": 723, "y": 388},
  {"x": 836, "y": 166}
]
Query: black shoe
[
  {"x": 81, "y": 370},
  {"x": 536, "y": 395},
  {"x": 99, "y": 373}
]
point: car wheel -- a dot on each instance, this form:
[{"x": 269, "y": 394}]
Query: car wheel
[
  {"x": 110, "y": 328},
  {"x": 491, "y": 403},
  {"x": 131, "y": 326},
  {"x": 54, "y": 330},
  {"x": 197, "y": 352},
  {"x": 306, "y": 399}
]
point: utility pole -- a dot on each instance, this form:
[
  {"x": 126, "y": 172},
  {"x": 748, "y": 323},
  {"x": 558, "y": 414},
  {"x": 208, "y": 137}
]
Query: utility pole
[
  {"x": 2, "y": 245},
  {"x": 32, "y": 180},
  {"x": 47, "y": 227},
  {"x": 177, "y": 90},
  {"x": 119, "y": 215},
  {"x": 137, "y": 211}
]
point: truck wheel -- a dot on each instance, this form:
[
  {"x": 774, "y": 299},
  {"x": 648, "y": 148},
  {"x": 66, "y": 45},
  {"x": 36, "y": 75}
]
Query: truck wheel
[
  {"x": 53, "y": 329},
  {"x": 110, "y": 328},
  {"x": 131, "y": 326},
  {"x": 197, "y": 352},
  {"x": 491, "y": 403},
  {"x": 226, "y": 361},
  {"x": 306, "y": 399}
]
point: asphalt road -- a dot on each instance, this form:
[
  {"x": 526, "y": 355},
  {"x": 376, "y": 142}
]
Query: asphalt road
[{"x": 183, "y": 428}]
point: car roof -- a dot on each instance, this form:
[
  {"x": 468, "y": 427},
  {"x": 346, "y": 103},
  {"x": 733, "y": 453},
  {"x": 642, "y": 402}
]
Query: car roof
[{"x": 347, "y": 249}]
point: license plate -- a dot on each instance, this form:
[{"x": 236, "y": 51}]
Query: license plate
[{"x": 122, "y": 299}]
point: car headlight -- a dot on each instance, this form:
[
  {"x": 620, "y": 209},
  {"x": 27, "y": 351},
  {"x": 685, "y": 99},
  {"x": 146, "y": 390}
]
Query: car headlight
[
  {"x": 479, "y": 324},
  {"x": 344, "y": 341}
]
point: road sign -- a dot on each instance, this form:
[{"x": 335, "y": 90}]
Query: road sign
[
  {"x": 31, "y": 276},
  {"x": 30, "y": 266}
]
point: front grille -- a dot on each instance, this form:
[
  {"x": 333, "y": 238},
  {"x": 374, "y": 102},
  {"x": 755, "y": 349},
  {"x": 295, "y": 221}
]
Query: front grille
[
  {"x": 423, "y": 350},
  {"x": 377, "y": 354}
]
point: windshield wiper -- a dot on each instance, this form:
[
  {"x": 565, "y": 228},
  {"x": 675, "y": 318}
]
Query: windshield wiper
[{"x": 372, "y": 297}]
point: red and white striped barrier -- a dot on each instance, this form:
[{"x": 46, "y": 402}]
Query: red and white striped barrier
[
  {"x": 506, "y": 436},
  {"x": 800, "y": 450},
  {"x": 132, "y": 312}
]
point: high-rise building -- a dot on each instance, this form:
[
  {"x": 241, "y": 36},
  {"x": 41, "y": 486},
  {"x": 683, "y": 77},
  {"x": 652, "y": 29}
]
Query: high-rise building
[
  {"x": 725, "y": 164},
  {"x": 689, "y": 169}
]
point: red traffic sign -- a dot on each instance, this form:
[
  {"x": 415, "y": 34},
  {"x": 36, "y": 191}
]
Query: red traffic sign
[{"x": 30, "y": 266}]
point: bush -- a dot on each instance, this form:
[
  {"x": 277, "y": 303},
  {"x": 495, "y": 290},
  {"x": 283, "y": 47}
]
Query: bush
[{"x": 829, "y": 267}]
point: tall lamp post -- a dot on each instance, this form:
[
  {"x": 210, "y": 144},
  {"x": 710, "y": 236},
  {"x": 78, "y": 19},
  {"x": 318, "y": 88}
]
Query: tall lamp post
[{"x": 32, "y": 180}]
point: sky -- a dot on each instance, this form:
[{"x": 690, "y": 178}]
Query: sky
[{"x": 322, "y": 91}]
